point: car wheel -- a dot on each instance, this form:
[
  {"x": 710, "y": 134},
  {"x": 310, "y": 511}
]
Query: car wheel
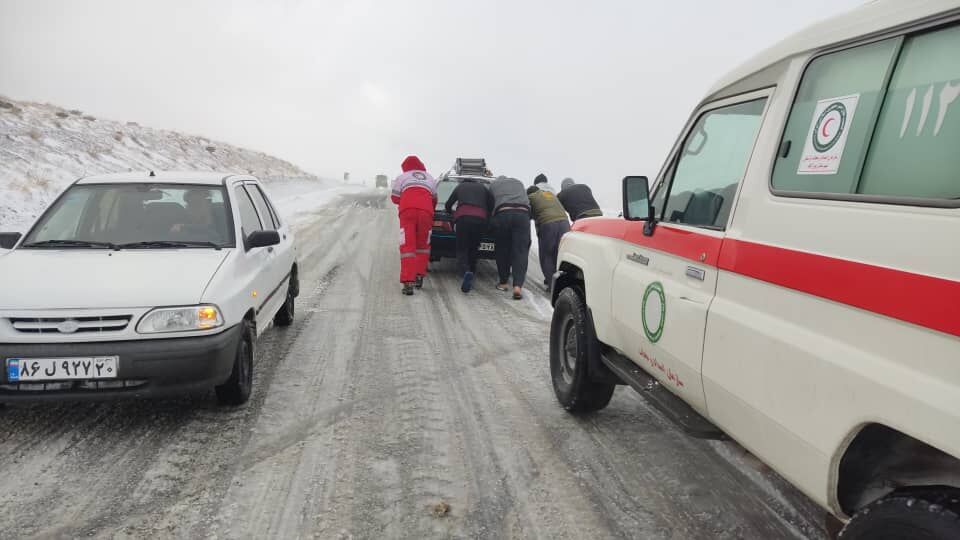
[
  {"x": 284, "y": 317},
  {"x": 573, "y": 345},
  {"x": 922, "y": 514},
  {"x": 236, "y": 391}
]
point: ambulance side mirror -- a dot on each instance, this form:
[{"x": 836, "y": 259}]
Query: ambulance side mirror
[{"x": 636, "y": 202}]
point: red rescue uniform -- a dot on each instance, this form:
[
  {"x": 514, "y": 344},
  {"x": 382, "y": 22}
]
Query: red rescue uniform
[{"x": 414, "y": 192}]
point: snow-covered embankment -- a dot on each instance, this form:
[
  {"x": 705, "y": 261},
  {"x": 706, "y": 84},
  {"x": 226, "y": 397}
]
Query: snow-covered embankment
[{"x": 44, "y": 147}]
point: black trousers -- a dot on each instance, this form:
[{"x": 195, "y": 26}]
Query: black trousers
[
  {"x": 470, "y": 230},
  {"x": 511, "y": 229},
  {"x": 549, "y": 236}
]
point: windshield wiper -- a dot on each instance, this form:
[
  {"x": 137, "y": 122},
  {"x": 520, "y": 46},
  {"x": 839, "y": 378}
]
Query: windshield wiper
[
  {"x": 168, "y": 244},
  {"x": 71, "y": 243}
]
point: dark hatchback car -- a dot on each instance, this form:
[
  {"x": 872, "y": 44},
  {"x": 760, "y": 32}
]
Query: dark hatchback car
[{"x": 443, "y": 240}]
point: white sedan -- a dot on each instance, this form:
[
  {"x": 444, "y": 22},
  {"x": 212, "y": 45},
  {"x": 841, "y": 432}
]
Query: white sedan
[{"x": 144, "y": 284}]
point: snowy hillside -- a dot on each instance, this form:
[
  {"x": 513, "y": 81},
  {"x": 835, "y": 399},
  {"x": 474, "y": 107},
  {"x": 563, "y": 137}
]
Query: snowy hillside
[{"x": 44, "y": 147}]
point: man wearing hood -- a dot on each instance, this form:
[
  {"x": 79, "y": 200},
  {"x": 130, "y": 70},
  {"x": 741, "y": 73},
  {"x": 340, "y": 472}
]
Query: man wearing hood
[
  {"x": 577, "y": 200},
  {"x": 511, "y": 229},
  {"x": 474, "y": 203},
  {"x": 415, "y": 193},
  {"x": 543, "y": 184},
  {"x": 551, "y": 221}
]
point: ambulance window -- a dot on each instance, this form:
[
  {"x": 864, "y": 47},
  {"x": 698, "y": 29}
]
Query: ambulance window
[
  {"x": 915, "y": 151},
  {"x": 711, "y": 164},
  {"x": 834, "y": 113}
]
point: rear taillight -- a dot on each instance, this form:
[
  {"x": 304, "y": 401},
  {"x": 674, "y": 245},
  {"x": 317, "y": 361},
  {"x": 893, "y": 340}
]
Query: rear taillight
[{"x": 443, "y": 225}]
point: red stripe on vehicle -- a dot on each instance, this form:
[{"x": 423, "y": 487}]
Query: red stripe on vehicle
[
  {"x": 612, "y": 227},
  {"x": 701, "y": 248},
  {"x": 691, "y": 245},
  {"x": 926, "y": 301}
]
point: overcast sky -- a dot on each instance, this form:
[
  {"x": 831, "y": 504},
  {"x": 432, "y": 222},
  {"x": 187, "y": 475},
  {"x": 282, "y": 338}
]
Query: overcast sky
[{"x": 592, "y": 90}]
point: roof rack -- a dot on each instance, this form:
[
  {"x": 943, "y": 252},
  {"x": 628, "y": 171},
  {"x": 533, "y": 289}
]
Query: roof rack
[{"x": 470, "y": 166}]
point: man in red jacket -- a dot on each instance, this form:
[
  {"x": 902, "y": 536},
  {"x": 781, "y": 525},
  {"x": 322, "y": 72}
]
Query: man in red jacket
[{"x": 415, "y": 192}]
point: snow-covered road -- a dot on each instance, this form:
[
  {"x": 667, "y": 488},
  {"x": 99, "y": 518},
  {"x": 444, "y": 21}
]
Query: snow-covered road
[{"x": 372, "y": 410}]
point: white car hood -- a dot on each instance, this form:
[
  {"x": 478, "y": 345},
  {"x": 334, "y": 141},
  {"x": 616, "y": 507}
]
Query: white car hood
[{"x": 95, "y": 278}]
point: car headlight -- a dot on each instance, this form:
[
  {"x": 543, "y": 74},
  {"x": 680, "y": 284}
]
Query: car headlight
[{"x": 180, "y": 319}]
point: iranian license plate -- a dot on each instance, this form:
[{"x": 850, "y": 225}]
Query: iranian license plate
[
  {"x": 61, "y": 369},
  {"x": 486, "y": 246}
]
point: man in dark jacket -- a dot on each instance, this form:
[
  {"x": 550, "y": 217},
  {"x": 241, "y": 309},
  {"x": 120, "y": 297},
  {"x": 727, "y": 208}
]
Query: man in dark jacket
[
  {"x": 551, "y": 220},
  {"x": 577, "y": 200},
  {"x": 474, "y": 203},
  {"x": 511, "y": 228}
]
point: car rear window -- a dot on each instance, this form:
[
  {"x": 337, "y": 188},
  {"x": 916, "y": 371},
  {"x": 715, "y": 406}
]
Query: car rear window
[{"x": 444, "y": 189}]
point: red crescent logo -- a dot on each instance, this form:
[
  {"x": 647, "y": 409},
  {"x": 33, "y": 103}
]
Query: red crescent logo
[{"x": 823, "y": 130}]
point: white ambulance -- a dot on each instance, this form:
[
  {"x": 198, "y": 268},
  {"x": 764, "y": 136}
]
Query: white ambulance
[{"x": 794, "y": 278}]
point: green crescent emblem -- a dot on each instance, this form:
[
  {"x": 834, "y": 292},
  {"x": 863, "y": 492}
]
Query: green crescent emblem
[{"x": 654, "y": 289}]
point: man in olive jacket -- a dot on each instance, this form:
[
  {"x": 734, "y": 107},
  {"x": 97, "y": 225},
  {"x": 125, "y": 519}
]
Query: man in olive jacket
[{"x": 551, "y": 220}]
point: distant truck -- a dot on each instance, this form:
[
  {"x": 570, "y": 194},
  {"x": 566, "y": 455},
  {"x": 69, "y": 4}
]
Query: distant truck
[{"x": 382, "y": 180}]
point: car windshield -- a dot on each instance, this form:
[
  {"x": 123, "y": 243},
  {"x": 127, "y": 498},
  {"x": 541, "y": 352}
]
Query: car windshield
[{"x": 135, "y": 216}]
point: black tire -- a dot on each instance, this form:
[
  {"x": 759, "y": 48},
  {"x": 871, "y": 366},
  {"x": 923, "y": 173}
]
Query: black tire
[
  {"x": 237, "y": 389},
  {"x": 285, "y": 316},
  {"x": 919, "y": 514},
  {"x": 573, "y": 345}
]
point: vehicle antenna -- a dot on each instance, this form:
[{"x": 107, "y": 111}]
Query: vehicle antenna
[{"x": 152, "y": 174}]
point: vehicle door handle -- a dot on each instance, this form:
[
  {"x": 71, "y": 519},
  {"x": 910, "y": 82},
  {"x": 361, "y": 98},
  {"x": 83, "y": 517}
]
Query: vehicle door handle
[
  {"x": 638, "y": 258},
  {"x": 696, "y": 273}
]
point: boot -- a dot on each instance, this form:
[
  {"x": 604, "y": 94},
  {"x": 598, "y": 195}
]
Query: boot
[
  {"x": 419, "y": 283},
  {"x": 408, "y": 289},
  {"x": 467, "y": 284}
]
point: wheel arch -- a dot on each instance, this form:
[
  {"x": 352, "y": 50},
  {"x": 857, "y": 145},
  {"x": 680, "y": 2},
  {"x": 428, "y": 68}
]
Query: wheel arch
[
  {"x": 879, "y": 460},
  {"x": 251, "y": 317},
  {"x": 569, "y": 275}
]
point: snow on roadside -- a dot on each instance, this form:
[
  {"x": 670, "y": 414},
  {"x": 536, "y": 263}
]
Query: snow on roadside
[
  {"x": 296, "y": 199},
  {"x": 44, "y": 147}
]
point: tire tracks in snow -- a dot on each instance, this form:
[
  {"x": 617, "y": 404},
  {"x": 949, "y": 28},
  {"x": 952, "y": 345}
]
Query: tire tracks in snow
[{"x": 368, "y": 410}]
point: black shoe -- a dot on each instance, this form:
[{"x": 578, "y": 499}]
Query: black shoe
[
  {"x": 408, "y": 289},
  {"x": 419, "y": 283}
]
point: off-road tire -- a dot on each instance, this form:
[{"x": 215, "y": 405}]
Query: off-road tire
[
  {"x": 918, "y": 514},
  {"x": 236, "y": 390},
  {"x": 573, "y": 341},
  {"x": 285, "y": 316}
]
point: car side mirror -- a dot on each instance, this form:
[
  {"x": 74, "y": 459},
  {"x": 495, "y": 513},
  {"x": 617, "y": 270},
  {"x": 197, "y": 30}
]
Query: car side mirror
[
  {"x": 636, "y": 202},
  {"x": 9, "y": 239},
  {"x": 263, "y": 239}
]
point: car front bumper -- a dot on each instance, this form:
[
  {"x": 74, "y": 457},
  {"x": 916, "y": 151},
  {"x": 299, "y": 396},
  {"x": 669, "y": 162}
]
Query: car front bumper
[{"x": 146, "y": 368}]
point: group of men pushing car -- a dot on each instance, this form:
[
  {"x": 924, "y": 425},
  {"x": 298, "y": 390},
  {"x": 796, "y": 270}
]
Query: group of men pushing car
[{"x": 504, "y": 206}]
